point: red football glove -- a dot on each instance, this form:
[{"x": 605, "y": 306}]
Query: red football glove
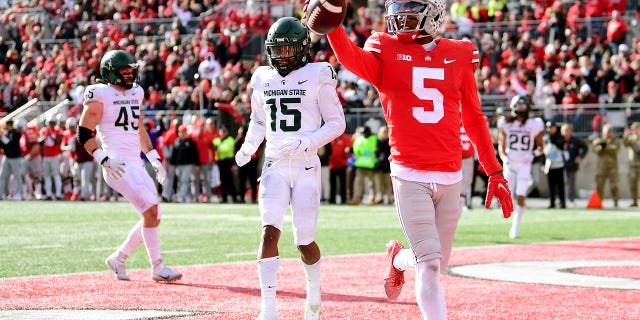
[{"x": 498, "y": 186}]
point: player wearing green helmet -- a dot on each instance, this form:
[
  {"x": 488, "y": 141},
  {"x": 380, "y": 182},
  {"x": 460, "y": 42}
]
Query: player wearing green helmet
[
  {"x": 288, "y": 45},
  {"x": 112, "y": 63}
]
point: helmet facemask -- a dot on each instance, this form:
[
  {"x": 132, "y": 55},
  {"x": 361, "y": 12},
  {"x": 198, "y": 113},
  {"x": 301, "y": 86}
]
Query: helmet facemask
[
  {"x": 288, "y": 57},
  {"x": 410, "y": 20}
]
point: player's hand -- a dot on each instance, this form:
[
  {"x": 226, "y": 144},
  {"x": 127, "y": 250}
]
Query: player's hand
[
  {"x": 498, "y": 187},
  {"x": 242, "y": 157},
  {"x": 114, "y": 168},
  {"x": 161, "y": 172},
  {"x": 295, "y": 146}
]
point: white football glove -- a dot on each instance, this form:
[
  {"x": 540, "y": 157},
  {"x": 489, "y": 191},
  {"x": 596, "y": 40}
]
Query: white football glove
[
  {"x": 295, "y": 146},
  {"x": 161, "y": 172},
  {"x": 242, "y": 157},
  {"x": 114, "y": 168}
]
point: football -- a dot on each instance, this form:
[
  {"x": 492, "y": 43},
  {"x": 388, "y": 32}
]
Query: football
[{"x": 322, "y": 16}]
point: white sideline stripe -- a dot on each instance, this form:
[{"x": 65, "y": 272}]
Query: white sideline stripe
[
  {"x": 102, "y": 249},
  {"x": 48, "y": 246},
  {"x": 178, "y": 251},
  {"x": 551, "y": 273},
  {"x": 240, "y": 254},
  {"x": 72, "y": 314}
]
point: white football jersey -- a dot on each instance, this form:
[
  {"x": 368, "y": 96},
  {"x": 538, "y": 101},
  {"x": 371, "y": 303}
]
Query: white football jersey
[
  {"x": 296, "y": 105},
  {"x": 118, "y": 128},
  {"x": 520, "y": 139}
]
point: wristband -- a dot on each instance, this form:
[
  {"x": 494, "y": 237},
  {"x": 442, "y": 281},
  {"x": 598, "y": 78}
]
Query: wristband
[
  {"x": 152, "y": 154},
  {"x": 99, "y": 155},
  {"x": 497, "y": 172}
]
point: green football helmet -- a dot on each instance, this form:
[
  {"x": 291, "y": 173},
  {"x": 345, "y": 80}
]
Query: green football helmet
[
  {"x": 111, "y": 64},
  {"x": 288, "y": 44}
]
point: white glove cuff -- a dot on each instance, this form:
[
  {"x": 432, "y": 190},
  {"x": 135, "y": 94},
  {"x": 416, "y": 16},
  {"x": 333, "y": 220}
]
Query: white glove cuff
[
  {"x": 99, "y": 155},
  {"x": 153, "y": 154}
]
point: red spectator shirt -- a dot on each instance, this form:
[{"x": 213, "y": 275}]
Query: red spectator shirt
[
  {"x": 204, "y": 143},
  {"x": 68, "y": 139},
  {"x": 51, "y": 141},
  {"x": 339, "y": 156},
  {"x": 422, "y": 94}
]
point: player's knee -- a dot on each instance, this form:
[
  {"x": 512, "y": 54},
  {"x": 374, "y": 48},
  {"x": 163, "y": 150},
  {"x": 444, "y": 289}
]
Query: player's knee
[
  {"x": 270, "y": 234},
  {"x": 427, "y": 249}
]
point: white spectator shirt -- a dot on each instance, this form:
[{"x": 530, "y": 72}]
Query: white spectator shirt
[
  {"x": 520, "y": 138},
  {"x": 283, "y": 108},
  {"x": 118, "y": 128}
]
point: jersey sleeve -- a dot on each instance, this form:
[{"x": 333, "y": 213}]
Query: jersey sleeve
[
  {"x": 92, "y": 93},
  {"x": 473, "y": 118},
  {"x": 257, "y": 125},
  {"x": 330, "y": 109},
  {"x": 365, "y": 63}
]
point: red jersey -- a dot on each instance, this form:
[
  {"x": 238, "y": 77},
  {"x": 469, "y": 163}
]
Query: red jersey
[
  {"x": 339, "y": 156},
  {"x": 52, "y": 139},
  {"x": 204, "y": 143},
  {"x": 68, "y": 143},
  {"x": 422, "y": 94},
  {"x": 28, "y": 140}
]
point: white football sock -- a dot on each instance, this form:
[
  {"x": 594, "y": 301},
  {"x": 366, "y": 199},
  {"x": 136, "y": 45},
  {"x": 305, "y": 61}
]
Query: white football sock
[
  {"x": 134, "y": 239},
  {"x": 312, "y": 272},
  {"x": 404, "y": 260},
  {"x": 517, "y": 219},
  {"x": 429, "y": 294},
  {"x": 151, "y": 241},
  {"x": 267, "y": 272}
]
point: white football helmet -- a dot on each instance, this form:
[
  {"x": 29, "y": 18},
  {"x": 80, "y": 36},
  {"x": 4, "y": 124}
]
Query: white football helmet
[
  {"x": 20, "y": 123},
  {"x": 409, "y": 20},
  {"x": 71, "y": 123}
]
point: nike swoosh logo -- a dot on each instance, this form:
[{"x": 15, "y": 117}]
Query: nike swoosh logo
[
  {"x": 308, "y": 168},
  {"x": 164, "y": 277},
  {"x": 503, "y": 187},
  {"x": 449, "y": 61},
  {"x": 301, "y": 82}
]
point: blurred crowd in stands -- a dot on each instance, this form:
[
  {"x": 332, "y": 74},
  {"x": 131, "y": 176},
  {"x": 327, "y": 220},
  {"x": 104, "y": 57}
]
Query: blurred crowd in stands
[{"x": 577, "y": 59}]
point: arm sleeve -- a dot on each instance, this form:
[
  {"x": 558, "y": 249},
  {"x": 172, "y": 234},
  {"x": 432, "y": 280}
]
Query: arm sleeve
[
  {"x": 257, "y": 126},
  {"x": 474, "y": 121},
  {"x": 364, "y": 64},
  {"x": 330, "y": 109}
]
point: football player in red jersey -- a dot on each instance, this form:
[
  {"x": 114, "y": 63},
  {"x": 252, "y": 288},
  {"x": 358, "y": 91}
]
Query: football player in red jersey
[{"x": 426, "y": 85}]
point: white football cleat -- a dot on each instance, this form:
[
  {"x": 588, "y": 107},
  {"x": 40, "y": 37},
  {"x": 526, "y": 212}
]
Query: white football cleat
[
  {"x": 117, "y": 267},
  {"x": 165, "y": 274}
]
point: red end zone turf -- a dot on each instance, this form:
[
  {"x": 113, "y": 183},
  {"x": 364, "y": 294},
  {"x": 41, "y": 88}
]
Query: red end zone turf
[{"x": 352, "y": 289}]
